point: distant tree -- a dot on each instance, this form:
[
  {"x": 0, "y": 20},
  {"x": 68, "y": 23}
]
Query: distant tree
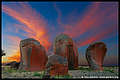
[{"x": 3, "y": 53}]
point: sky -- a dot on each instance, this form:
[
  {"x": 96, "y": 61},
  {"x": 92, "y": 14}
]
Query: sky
[{"x": 84, "y": 22}]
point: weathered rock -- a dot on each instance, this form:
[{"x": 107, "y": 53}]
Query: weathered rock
[
  {"x": 33, "y": 55},
  {"x": 64, "y": 46},
  {"x": 95, "y": 54},
  {"x": 56, "y": 65}
]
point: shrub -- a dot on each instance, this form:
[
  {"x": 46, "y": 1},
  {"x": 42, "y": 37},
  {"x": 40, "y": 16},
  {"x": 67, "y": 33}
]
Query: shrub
[
  {"x": 63, "y": 76},
  {"x": 11, "y": 70},
  {"x": 36, "y": 74}
]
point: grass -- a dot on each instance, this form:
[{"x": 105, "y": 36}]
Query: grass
[
  {"x": 83, "y": 68},
  {"x": 7, "y": 71},
  {"x": 56, "y": 77},
  {"x": 109, "y": 70},
  {"x": 11, "y": 70},
  {"x": 39, "y": 74},
  {"x": 36, "y": 74},
  {"x": 63, "y": 76}
]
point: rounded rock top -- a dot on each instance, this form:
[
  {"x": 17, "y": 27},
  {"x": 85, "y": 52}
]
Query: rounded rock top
[{"x": 62, "y": 37}]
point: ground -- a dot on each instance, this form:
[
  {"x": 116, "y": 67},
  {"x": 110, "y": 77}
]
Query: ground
[
  {"x": 85, "y": 71},
  {"x": 81, "y": 72}
]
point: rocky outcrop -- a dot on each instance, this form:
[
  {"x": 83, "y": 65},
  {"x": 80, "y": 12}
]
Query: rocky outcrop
[
  {"x": 33, "y": 55},
  {"x": 95, "y": 54},
  {"x": 64, "y": 46},
  {"x": 56, "y": 65}
]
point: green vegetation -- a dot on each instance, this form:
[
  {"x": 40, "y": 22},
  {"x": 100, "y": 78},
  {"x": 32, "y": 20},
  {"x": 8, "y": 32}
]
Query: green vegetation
[
  {"x": 39, "y": 74},
  {"x": 8, "y": 69},
  {"x": 63, "y": 76},
  {"x": 10, "y": 72},
  {"x": 36, "y": 74},
  {"x": 109, "y": 70},
  {"x": 56, "y": 77},
  {"x": 71, "y": 68},
  {"x": 84, "y": 68},
  {"x": 21, "y": 71}
]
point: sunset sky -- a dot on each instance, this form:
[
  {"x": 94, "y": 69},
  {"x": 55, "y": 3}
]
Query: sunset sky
[{"x": 84, "y": 22}]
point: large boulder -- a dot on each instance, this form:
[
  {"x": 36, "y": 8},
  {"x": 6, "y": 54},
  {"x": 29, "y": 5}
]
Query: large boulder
[
  {"x": 33, "y": 55},
  {"x": 56, "y": 65},
  {"x": 95, "y": 54},
  {"x": 64, "y": 46}
]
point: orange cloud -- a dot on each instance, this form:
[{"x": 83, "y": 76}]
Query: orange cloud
[
  {"x": 82, "y": 25},
  {"x": 94, "y": 17},
  {"x": 12, "y": 49},
  {"x": 14, "y": 57},
  {"x": 101, "y": 22},
  {"x": 34, "y": 24},
  {"x": 14, "y": 38},
  {"x": 96, "y": 37}
]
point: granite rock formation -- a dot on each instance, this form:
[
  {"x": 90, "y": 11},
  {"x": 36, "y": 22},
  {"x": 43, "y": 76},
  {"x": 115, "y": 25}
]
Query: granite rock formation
[
  {"x": 95, "y": 54},
  {"x": 64, "y": 46},
  {"x": 33, "y": 55},
  {"x": 56, "y": 65}
]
